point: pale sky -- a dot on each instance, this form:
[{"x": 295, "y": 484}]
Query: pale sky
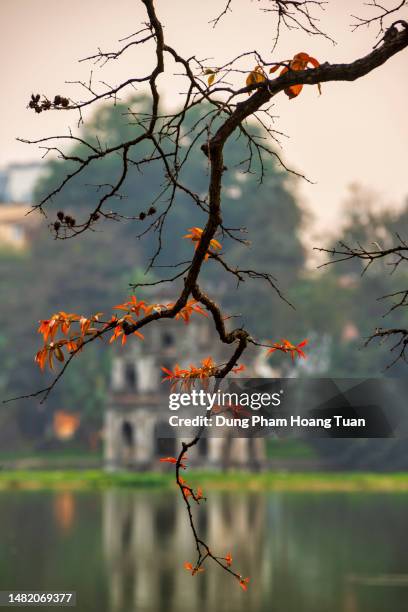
[{"x": 354, "y": 132}]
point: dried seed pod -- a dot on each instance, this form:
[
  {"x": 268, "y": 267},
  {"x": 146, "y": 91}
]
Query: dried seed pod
[{"x": 70, "y": 221}]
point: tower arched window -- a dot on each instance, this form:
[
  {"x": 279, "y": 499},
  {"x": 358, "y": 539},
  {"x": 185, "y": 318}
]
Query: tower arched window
[
  {"x": 127, "y": 434},
  {"x": 164, "y": 443},
  {"x": 167, "y": 340},
  {"x": 130, "y": 376}
]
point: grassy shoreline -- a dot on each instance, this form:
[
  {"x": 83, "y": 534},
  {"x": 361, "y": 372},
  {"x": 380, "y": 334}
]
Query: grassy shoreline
[{"x": 238, "y": 481}]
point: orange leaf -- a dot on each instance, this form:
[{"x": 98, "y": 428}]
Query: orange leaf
[
  {"x": 190, "y": 568},
  {"x": 186, "y": 312},
  {"x": 41, "y": 357},
  {"x": 228, "y": 559},
  {"x": 199, "y": 495},
  {"x": 132, "y": 305},
  {"x": 313, "y": 61},
  {"x": 293, "y": 91},
  {"x": 118, "y": 331},
  {"x": 243, "y": 583},
  {"x": 195, "y": 234},
  {"x": 174, "y": 461},
  {"x": 168, "y": 460}
]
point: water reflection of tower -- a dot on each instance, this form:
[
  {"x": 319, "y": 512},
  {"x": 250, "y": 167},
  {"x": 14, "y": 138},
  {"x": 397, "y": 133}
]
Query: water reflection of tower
[
  {"x": 137, "y": 431},
  {"x": 146, "y": 539}
]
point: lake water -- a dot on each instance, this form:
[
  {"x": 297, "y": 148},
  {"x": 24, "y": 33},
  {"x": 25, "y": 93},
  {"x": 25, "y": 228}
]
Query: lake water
[{"x": 123, "y": 550}]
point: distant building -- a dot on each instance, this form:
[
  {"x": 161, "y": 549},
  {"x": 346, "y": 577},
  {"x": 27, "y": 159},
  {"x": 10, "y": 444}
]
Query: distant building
[
  {"x": 16, "y": 226},
  {"x": 17, "y": 181},
  {"x": 137, "y": 431}
]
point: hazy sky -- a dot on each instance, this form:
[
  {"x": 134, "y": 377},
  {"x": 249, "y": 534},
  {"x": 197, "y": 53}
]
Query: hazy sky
[{"x": 353, "y": 132}]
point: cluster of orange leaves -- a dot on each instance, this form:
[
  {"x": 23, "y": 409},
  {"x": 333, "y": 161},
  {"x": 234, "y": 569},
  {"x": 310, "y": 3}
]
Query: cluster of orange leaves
[
  {"x": 195, "y": 569},
  {"x": 187, "y": 377},
  {"x": 195, "y": 234},
  {"x": 133, "y": 308},
  {"x": 187, "y": 490},
  {"x": 74, "y": 329},
  {"x": 294, "y": 350},
  {"x": 61, "y": 322},
  {"x": 300, "y": 61}
]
